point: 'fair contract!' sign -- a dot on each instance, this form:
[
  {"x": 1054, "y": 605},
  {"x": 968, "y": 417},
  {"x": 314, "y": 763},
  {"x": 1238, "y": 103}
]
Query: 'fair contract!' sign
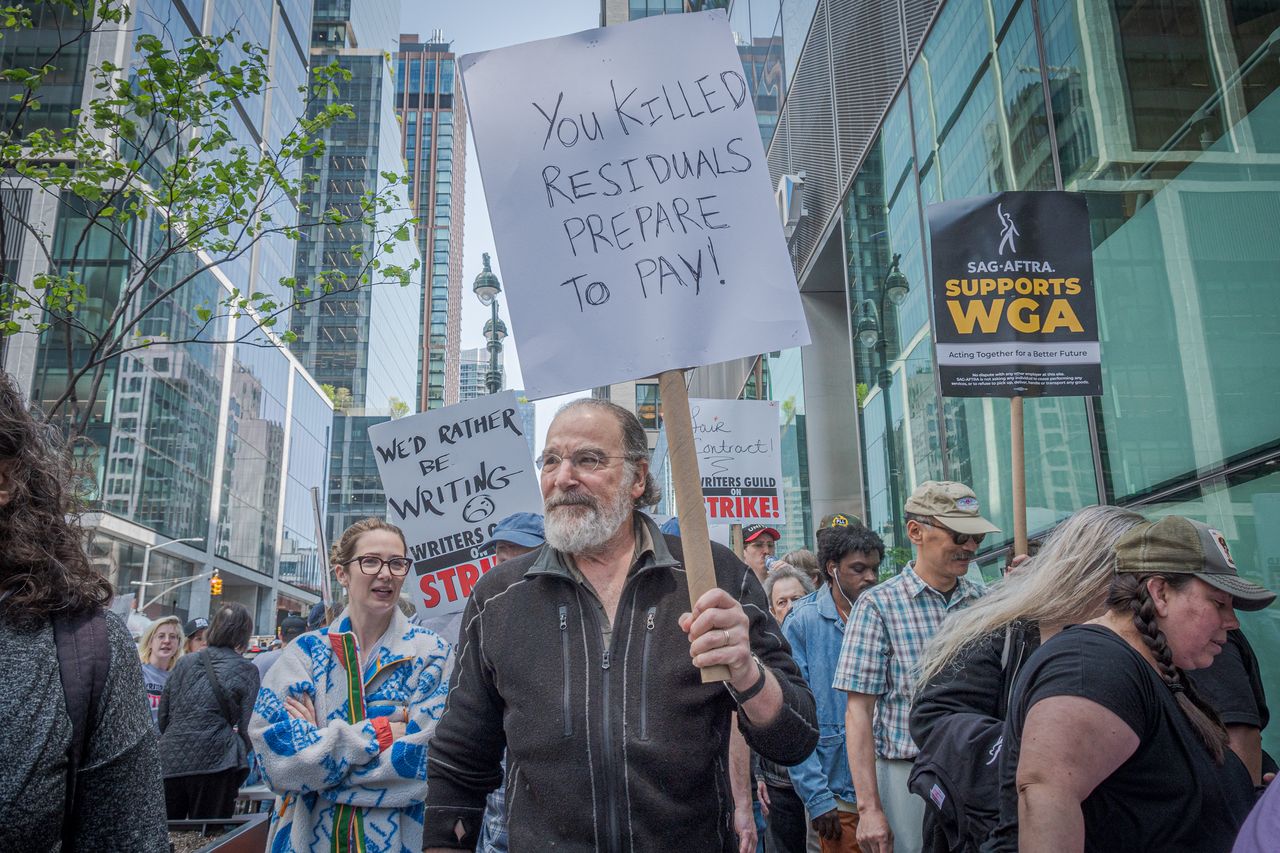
[
  {"x": 450, "y": 476},
  {"x": 739, "y": 460},
  {"x": 631, "y": 202}
]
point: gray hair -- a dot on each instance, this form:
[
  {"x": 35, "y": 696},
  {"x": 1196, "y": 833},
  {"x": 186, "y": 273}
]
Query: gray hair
[
  {"x": 635, "y": 444},
  {"x": 782, "y": 571},
  {"x": 804, "y": 560}
]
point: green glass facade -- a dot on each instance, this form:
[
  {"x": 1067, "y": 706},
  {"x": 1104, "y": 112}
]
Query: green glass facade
[
  {"x": 214, "y": 432},
  {"x": 1167, "y": 116}
]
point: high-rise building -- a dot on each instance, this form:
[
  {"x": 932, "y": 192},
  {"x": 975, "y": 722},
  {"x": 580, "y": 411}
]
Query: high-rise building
[
  {"x": 761, "y": 55},
  {"x": 528, "y": 419},
  {"x": 203, "y": 453},
  {"x": 473, "y": 368},
  {"x": 360, "y": 343},
  {"x": 642, "y": 397},
  {"x": 434, "y": 121},
  {"x": 1166, "y": 117},
  {"x": 619, "y": 11}
]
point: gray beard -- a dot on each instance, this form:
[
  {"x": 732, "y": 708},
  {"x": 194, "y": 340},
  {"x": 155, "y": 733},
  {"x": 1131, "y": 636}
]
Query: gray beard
[{"x": 573, "y": 532}]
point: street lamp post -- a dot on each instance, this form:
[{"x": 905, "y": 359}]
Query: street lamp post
[
  {"x": 162, "y": 593},
  {"x": 146, "y": 560},
  {"x": 486, "y": 288},
  {"x": 874, "y": 336}
]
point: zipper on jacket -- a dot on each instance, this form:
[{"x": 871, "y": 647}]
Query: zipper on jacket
[
  {"x": 566, "y": 706},
  {"x": 644, "y": 673},
  {"x": 606, "y": 724}
]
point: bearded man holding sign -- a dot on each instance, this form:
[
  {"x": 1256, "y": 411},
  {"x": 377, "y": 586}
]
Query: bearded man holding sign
[{"x": 580, "y": 660}]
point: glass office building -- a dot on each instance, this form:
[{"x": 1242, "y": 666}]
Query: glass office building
[
  {"x": 1167, "y": 117},
  {"x": 429, "y": 101},
  {"x": 361, "y": 342},
  {"x": 215, "y": 442},
  {"x": 473, "y": 372}
]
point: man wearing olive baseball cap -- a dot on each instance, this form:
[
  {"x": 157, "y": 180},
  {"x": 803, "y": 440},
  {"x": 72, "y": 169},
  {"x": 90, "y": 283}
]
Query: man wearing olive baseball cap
[{"x": 883, "y": 642}]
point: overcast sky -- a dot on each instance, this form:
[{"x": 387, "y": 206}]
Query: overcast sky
[{"x": 484, "y": 25}]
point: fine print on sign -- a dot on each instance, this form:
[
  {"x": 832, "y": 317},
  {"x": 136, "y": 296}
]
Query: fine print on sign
[
  {"x": 739, "y": 460},
  {"x": 631, "y": 202},
  {"x": 450, "y": 475},
  {"x": 1014, "y": 306}
]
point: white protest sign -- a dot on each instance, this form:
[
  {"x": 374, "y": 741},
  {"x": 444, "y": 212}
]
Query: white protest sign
[
  {"x": 739, "y": 460},
  {"x": 450, "y": 475},
  {"x": 631, "y": 202}
]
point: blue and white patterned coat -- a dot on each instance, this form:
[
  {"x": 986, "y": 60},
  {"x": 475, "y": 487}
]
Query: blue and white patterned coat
[{"x": 312, "y": 770}]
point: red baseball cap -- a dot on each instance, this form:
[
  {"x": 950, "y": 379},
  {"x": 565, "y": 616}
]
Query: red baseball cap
[{"x": 751, "y": 531}]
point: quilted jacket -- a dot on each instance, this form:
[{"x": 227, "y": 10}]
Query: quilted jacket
[{"x": 195, "y": 735}]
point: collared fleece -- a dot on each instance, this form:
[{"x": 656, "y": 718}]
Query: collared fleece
[
  {"x": 608, "y": 749},
  {"x": 316, "y": 770}
]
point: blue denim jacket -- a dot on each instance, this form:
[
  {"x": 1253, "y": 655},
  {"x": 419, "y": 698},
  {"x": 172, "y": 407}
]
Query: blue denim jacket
[{"x": 815, "y": 631}]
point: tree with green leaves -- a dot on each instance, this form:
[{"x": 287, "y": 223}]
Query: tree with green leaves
[
  {"x": 152, "y": 183},
  {"x": 340, "y": 397}
]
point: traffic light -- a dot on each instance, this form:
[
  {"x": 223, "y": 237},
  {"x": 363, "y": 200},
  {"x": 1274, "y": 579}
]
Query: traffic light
[{"x": 215, "y": 585}]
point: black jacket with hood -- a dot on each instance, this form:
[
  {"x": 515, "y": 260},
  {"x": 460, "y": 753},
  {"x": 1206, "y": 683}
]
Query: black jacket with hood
[
  {"x": 620, "y": 749},
  {"x": 958, "y": 721}
]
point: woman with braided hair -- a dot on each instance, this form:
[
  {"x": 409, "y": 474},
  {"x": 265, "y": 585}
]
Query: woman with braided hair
[{"x": 1107, "y": 745}]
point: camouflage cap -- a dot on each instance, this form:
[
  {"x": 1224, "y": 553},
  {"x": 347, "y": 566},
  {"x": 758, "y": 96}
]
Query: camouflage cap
[
  {"x": 840, "y": 519},
  {"x": 1178, "y": 545}
]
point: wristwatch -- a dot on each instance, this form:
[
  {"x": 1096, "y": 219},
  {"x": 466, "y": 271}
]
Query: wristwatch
[{"x": 750, "y": 692}]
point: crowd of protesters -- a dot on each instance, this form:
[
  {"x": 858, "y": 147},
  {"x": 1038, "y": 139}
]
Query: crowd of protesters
[{"x": 1100, "y": 696}]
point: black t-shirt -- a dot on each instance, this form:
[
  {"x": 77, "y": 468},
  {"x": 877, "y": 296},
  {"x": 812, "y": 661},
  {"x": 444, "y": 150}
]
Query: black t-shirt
[
  {"x": 1170, "y": 795},
  {"x": 1233, "y": 684}
]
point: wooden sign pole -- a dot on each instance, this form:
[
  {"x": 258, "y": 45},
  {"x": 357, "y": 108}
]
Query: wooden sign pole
[
  {"x": 699, "y": 570},
  {"x": 1019, "y": 478},
  {"x": 735, "y": 539}
]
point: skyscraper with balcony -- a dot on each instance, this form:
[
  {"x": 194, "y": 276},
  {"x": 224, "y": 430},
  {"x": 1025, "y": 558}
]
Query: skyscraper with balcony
[
  {"x": 361, "y": 342},
  {"x": 434, "y": 121}
]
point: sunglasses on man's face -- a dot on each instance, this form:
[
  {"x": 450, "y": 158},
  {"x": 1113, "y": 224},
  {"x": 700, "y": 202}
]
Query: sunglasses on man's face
[{"x": 958, "y": 538}]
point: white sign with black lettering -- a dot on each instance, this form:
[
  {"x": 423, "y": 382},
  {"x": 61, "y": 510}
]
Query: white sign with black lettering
[
  {"x": 739, "y": 460},
  {"x": 631, "y": 202},
  {"x": 450, "y": 475}
]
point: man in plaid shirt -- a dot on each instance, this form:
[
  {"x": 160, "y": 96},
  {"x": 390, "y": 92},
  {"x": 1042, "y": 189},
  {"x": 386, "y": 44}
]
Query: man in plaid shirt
[{"x": 883, "y": 641}]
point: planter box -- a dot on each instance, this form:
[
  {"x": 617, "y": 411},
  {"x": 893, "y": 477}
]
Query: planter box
[{"x": 240, "y": 834}]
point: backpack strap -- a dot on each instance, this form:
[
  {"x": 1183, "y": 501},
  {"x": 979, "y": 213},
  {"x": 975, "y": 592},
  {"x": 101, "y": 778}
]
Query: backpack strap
[
  {"x": 84, "y": 657},
  {"x": 223, "y": 703}
]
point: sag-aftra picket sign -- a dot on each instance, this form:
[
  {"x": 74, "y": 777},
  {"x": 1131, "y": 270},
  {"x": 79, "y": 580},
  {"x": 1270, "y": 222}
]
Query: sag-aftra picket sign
[{"x": 1014, "y": 313}]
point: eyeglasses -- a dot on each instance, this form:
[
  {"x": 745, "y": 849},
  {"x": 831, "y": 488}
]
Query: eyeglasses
[
  {"x": 583, "y": 460},
  {"x": 371, "y": 565},
  {"x": 958, "y": 538}
]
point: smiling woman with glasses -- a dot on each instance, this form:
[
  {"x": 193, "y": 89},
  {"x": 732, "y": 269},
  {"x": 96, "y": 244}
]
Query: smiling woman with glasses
[
  {"x": 371, "y": 564},
  {"x": 362, "y": 694}
]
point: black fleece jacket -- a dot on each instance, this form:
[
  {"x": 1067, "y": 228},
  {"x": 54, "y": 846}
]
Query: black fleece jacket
[{"x": 617, "y": 749}]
